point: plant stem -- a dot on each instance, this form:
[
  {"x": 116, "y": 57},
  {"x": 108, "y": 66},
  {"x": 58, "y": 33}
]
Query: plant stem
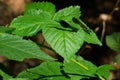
[
  {"x": 101, "y": 77},
  {"x": 83, "y": 66},
  {"x": 103, "y": 30}
]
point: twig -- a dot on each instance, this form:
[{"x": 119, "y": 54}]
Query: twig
[
  {"x": 115, "y": 8},
  {"x": 103, "y": 30},
  {"x": 104, "y": 20}
]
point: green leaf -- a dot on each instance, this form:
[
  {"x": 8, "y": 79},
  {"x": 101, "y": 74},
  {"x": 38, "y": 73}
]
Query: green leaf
[
  {"x": 80, "y": 67},
  {"x": 117, "y": 59},
  {"x": 44, "y": 6},
  {"x": 90, "y": 36},
  {"x": 29, "y": 25},
  {"x": 113, "y": 41},
  {"x": 104, "y": 70},
  {"x": 15, "y": 48},
  {"x": 4, "y": 75},
  {"x": 45, "y": 71},
  {"x": 65, "y": 43},
  {"x": 34, "y": 12},
  {"x": 5, "y": 29},
  {"x": 67, "y": 13}
]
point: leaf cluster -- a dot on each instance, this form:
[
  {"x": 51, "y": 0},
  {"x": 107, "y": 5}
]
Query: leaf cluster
[{"x": 63, "y": 30}]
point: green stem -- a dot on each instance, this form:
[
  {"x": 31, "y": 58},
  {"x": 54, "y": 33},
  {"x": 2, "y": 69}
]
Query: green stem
[
  {"x": 83, "y": 66},
  {"x": 101, "y": 77}
]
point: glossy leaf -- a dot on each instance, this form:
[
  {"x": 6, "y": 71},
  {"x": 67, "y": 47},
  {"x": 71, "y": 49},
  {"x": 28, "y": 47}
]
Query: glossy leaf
[{"x": 15, "y": 48}]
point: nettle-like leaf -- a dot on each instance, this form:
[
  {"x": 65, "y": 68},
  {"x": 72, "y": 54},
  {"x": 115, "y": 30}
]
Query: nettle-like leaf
[
  {"x": 113, "y": 41},
  {"x": 44, "y": 6},
  {"x": 67, "y": 13},
  {"x": 104, "y": 70},
  {"x": 80, "y": 67},
  {"x": 65, "y": 43},
  {"x": 15, "y": 48},
  {"x": 36, "y": 16},
  {"x": 45, "y": 71},
  {"x": 29, "y": 25}
]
